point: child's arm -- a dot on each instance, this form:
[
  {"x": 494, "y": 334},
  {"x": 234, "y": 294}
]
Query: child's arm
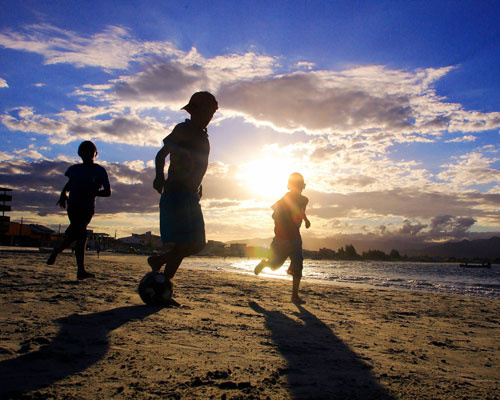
[
  {"x": 307, "y": 222},
  {"x": 304, "y": 216},
  {"x": 106, "y": 187},
  {"x": 159, "y": 181},
  {"x": 63, "y": 197}
]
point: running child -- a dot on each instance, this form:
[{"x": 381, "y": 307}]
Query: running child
[
  {"x": 85, "y": 181},
  {"x": 289, "y": 212}
]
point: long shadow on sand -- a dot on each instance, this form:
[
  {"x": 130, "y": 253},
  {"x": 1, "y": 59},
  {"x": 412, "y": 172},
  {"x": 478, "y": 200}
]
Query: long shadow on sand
[
  {"x": 81, "y": 341},
  {"x": 319, "y": 364}
]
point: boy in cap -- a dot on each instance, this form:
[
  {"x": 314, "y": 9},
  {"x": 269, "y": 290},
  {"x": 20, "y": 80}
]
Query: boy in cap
[
  {"x": 181, "y": 219},
  {"x": 288, "y": 214},
  {"x": 86, "y": 181}
]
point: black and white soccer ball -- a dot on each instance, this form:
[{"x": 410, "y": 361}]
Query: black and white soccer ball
[{"x": 155, "y": 289}]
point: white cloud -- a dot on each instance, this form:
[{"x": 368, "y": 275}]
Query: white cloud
[
  {"x": 469, "y": 170},
  {"x": 369, "y": 101},
  {"x": 106, "y": 124},
  {"x": 463, "y": 139},
  {"x": 113, "y": 48},
  {"x": 3, "y": 83}
]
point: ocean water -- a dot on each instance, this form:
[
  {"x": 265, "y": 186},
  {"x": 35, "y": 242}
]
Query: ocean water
[{"x": 429, "y": 277}]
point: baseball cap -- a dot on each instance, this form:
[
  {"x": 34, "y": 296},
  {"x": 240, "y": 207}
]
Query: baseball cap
[{"x": 199, "y": 99}]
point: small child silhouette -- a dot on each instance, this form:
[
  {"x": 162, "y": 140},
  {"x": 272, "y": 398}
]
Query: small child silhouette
[
  {"x": 86, "y": 181},
  {"x": 288, "y": 214}
]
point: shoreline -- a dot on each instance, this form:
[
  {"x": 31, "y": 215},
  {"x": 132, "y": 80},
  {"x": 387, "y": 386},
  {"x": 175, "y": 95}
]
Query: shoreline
[
  {"x": 236, "y": 336},
  {"x": 191, "y": 262}
]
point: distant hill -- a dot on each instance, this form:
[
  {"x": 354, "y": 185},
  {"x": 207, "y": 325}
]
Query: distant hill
[{"x": 480, "y": 248}]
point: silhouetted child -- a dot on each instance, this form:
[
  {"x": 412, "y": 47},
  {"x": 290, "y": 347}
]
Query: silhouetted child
[
  {"x": 85, "y": 182},
  {"x": 181, "y": 220},
  {"x": 288, "y": 214}
]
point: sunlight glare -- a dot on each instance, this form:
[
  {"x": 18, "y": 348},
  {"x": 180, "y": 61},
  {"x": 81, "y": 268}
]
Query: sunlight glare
[{"x": 267, "y": 177}]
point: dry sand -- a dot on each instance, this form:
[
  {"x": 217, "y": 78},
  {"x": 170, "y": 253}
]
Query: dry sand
[{"x": 235, "y": 336}]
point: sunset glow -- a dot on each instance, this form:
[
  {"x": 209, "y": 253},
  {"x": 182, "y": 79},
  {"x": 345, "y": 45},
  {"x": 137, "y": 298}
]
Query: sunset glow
[{"x": 268, "y": 177}]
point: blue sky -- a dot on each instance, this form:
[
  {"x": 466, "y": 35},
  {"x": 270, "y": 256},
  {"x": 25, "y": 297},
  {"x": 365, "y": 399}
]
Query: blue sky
[{"x": 389, "y": 109}]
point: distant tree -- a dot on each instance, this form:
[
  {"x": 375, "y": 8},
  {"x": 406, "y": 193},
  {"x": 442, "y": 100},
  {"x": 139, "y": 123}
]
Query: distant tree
[
  {"x": 341, "y": 253},
  {"x": 394, "y": 255},
  {"x": 350, "y": 252},
  {"x": 377, "y": 255},
  {"x": 327, "y": 254}
]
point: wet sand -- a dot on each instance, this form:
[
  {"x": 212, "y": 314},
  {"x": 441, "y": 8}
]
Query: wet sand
[{"x": 235, "y": 336}]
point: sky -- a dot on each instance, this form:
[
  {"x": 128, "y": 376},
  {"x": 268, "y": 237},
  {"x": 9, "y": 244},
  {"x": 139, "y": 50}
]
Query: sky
[{"x": 389, "y": 109}]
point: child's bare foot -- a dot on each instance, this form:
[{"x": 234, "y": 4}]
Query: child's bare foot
[
  {"x": 297, "y": 300},
  {"x": 81, "y": 275},
  {"x": 155, "y": 262},
  {"x": 260, "y": 266},
  {"x": 52, "y": 258}
]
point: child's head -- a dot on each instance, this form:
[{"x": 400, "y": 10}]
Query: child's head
[
  {"x": 202, "y": 107},
  {"x": 296, "y": 182},
  {"x": 87, "y": 151}
]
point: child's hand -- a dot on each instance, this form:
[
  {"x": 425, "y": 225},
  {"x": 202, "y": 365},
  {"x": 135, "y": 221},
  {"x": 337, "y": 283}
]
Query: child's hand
[
  {"x": 159, "y": 183},
  {"x": 62, "y": 201},
  {"x": 308, "y": 223}
]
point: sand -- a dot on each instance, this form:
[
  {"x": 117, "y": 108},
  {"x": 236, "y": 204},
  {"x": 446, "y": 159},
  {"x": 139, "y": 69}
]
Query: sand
[{"x": 235, "y": 336}]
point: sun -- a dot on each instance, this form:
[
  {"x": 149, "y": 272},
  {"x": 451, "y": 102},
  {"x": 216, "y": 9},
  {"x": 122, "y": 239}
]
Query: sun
[{"x": 266, "y": 177}]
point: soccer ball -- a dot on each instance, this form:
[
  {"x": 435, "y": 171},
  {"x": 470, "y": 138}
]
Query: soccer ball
[{"x": 155, "y": 289}]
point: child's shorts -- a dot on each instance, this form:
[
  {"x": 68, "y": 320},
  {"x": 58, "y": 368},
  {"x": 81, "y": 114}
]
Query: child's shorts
[
  {"x": 181, "y": 219},
  {"x": 281, "y": 249},
  {"x": 79, "y": 218}
]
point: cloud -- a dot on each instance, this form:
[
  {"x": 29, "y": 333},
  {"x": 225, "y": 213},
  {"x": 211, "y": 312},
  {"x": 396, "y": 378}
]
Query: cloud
[
  {"x": 114, "y": 48},
  {"x": 168, "y": 83},
  {"x": 3, "y": 83},
  {"x": 448, "y": 225},
  {"x": 378, "y": 104},
  {"x": 405, "y": 203},
  {"x": 370, "y": 101},
  {"x": 411, "y": 229},
  {"x": 304, "y": 101},
  {"x": 463, "y": 139},
  {"x": 90, "y": 123},
  {"x": 356, "y": 181},
  {"x": 469, "y": 170}
]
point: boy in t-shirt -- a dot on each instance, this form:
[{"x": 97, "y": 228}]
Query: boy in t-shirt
[
  {"x": 86, "y": 181},
  {"x": 288, "y": 214},
  {"x": 181, "y": 220}
]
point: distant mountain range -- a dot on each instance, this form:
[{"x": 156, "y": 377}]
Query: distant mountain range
[{"x": 480, "y": 248}]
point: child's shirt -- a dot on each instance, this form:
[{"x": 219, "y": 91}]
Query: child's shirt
[
  {"x": 84, "y": 182},
  {"x": 189, "y": 149},
  {"x": 288, "y": 214}
]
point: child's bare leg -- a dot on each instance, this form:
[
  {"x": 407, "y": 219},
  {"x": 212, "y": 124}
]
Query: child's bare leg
[
  {"x": 260, "y": 266},
  {"x": 172, "y": 258},
  {"x": 179, "y": 252},
  {"x": 67, "y": 240},
  {"x": 80, "y": 258},
  {"x": 295, "y": 290},
  {"x": 159, "y": 260}
]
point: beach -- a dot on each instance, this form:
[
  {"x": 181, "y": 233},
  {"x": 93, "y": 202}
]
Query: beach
[{"x": 235, "y": 336}]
